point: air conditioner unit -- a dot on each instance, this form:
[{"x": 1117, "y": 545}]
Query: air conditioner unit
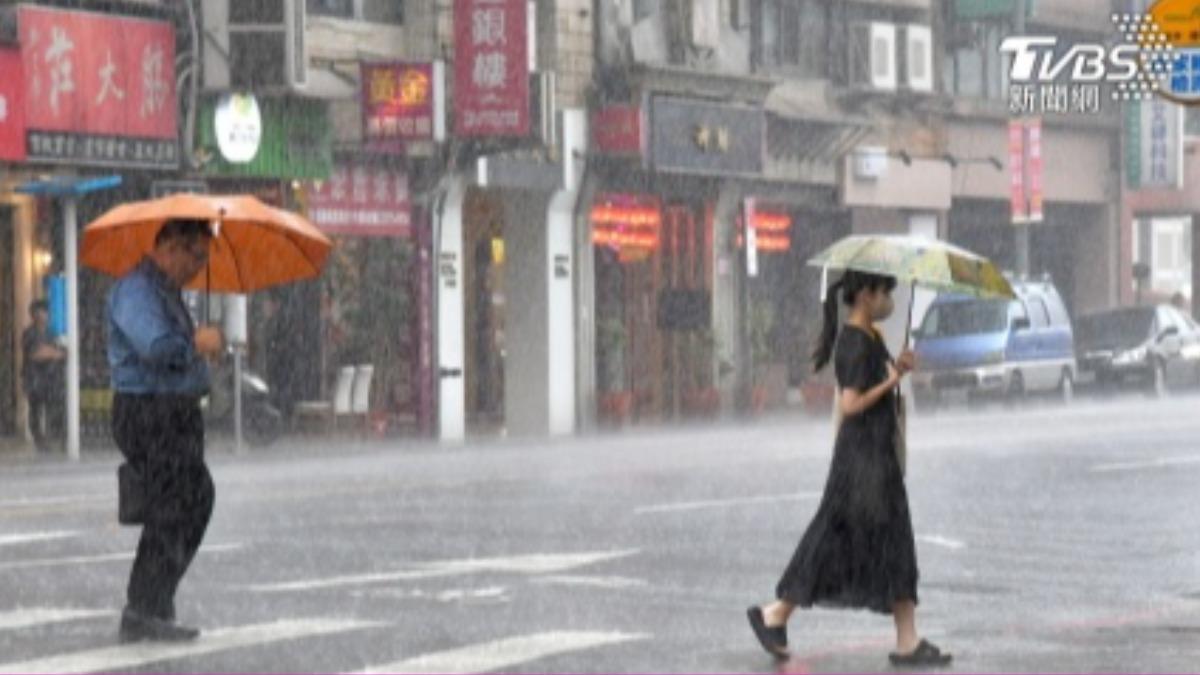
[
  {"x": 873, "y": 56},
  {"x": 870, "y": 162},
  {"x": 704, "y": 23},
  {"x": 918, "y": 57},
  {"x": 648, "y": 40},
  {"x": 256, "y": 45}
]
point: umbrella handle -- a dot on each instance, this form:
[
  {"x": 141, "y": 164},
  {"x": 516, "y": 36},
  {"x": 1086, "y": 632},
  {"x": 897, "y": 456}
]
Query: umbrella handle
[
  {"x": 912, "y": 300},
  {"x": 208, "y": 293}
]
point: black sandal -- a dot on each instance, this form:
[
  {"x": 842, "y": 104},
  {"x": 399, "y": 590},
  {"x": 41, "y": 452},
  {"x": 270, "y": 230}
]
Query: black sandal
[
  {"x": 926, "y": 655},
  {"x": 774, "y": 640}
]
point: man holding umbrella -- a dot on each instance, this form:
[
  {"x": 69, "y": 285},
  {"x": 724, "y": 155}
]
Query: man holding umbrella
[
  {"x": 159, "y": 375},
  {"x": 218, "y": 243}
]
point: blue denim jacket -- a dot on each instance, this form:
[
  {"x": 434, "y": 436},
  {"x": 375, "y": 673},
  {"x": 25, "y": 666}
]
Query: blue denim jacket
[{"x": 150, "y": 337}]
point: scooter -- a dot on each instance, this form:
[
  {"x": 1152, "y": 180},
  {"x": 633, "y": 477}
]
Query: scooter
[{"x": 262, "y": 423}]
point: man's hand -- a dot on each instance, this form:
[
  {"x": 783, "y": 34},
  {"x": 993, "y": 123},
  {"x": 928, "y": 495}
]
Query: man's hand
[
  {"x": 907, "y": 362},
  {"x": 49, "y": 353},
  {"x": 209, "y": 342}
]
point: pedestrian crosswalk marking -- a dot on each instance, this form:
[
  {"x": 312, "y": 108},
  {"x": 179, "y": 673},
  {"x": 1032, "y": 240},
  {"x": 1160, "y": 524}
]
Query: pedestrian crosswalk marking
[
  {"x": 138, "y": 654},
  {"x": 595, "y": 582},
  {"x": 1157, "y": 463},
  {"x": 37, "y": 616},
  {"x": 548, "y": 563},
  {"x": 722, "y": 503},
  {"x": 100, "y": 558},
  {"x": 23, "y": 502},
  {"x": 944, "y": 542},
  {"x": 34, "y": 537},
  {"x": 506, "y": 653}
]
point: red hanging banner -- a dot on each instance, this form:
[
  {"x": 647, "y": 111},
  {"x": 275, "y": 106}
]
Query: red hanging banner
[
  {"x": 1016, "y": 171},
  {"x": 1036, "y": 197},
  {"x": 491, "y": 69},
  {"x": 362, "y": 201},
  {"x": 398, "y": 102}
]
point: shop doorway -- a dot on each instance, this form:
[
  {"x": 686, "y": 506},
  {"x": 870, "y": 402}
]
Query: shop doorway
[
  {"x": 486, "y": 299},
  {"x": 655, "y": 355}
]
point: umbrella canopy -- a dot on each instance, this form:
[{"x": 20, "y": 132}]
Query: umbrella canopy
[
  {"x": 923, "y": 262},
  {"x": 255, "y": 246}
]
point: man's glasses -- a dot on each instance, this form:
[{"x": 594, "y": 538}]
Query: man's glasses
[{"x": 198, "y": 254}]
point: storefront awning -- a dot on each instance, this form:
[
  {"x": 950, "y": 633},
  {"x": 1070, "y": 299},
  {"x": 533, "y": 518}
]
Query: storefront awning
[
  {"x": 802, "y": 125},
  {"x": 330, "y": 85}
]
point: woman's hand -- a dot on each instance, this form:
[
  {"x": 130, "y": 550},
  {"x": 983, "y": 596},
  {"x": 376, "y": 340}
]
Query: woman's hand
[
  {"x": 907, "y": 362},
  {"x": 894, "y": 375}
]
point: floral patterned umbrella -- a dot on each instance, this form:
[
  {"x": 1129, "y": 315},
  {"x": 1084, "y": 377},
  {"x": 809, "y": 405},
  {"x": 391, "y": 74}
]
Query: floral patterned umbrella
[
  {"x": 929, "y": 263},
  {"x": 921, "y": 262}
]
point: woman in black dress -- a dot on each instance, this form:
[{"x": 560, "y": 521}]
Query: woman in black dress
[{"x": 858, "y": 552}]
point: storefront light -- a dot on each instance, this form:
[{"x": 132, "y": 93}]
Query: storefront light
[
  {"x": 773, "y": 243},
  {"x": 43, "y": 259},
  {"x": 631, "y": 216},
  {"x": 624, "y": 239},
  {"x": 772, "y": 222}
]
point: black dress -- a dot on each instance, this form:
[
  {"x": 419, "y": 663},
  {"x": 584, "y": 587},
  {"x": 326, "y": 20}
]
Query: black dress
[{"x": 858, "y": 552}]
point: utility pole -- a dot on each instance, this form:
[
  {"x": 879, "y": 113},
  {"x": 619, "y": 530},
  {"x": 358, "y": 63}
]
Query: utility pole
[{"x": 1021, "y": 229}]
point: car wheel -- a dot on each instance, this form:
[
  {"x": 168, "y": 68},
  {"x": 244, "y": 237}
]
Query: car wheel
[
  {"x": 1158, "y": 380},
  {"x": 1016, "y": 391},
  {"x": 1066, "y": 388}
]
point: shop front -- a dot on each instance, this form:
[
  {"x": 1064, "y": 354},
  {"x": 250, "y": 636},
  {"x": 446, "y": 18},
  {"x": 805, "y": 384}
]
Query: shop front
[
  {"x": 74, "y": 109},
  {"x": 270, "y": 147},
  {"x": 1055, "y": 180},
  {"x": 663, "y": 227},
  {"x": 372, "y": 306}
]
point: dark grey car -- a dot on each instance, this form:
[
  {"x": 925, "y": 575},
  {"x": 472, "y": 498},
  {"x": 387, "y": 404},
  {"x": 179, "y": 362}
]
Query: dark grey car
[{"x": 1156, "y": 348}]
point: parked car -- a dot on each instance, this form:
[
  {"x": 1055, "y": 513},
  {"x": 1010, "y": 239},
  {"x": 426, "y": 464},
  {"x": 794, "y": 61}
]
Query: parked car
[
  {"x": 1156, "y": 348},
  {"x": 999, "y": 349}
]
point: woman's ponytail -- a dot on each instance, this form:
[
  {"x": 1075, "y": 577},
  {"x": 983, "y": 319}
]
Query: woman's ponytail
[
  {"x": 823, "y": 351},
  {"x": 848, "y": 287}
]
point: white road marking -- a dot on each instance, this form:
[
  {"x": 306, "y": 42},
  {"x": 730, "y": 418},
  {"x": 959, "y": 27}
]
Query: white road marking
[
  {"x": 723, "y": 503},
  {"x": 101, "y": 558},
  {"x": 524, "y": 564},
  {"x": 138, "y": 654},
  {"x": 952, "y": 544},
  {"x": 31, "y": 537},
  {"x": 596, "y": 582},
  {"x": 505, "y": 654},
  {"x": 55, "y": 501},
  {"x": 491, "y": 593},
  {"x": 1157, "y": 463},
  {"x": 37, "y": 616}
]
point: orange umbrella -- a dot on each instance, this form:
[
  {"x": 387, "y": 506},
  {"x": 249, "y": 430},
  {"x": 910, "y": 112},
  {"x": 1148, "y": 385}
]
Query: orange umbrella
[{"x": 255, "y": 247}]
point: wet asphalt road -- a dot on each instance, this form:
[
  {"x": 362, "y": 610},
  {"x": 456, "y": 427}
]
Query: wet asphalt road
[{"x": 1049, "y": 539}]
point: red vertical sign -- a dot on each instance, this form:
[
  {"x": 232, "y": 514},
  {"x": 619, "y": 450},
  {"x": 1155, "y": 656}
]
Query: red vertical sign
[
  {"x": 1016, "y": 170},
  {"x": 1034, "y": 127},
  {"x": 491, "y": 68},
  {"x": 12, "y": 106}
]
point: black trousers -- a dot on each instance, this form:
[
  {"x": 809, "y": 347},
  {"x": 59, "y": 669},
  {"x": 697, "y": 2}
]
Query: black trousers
[
  {"x": 163, "y": 437},
  {"x": 45, "y": 417}
]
